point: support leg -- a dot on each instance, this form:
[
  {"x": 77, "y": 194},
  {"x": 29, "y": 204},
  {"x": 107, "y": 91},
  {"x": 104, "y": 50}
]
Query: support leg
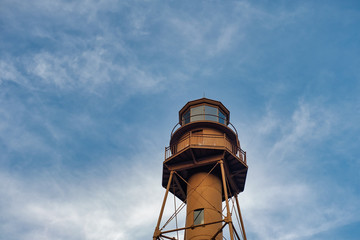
[
  {"x": 241, "y": 220},
  {"x": 157, "y": 230},
  {"x": 228, "y": 214}
]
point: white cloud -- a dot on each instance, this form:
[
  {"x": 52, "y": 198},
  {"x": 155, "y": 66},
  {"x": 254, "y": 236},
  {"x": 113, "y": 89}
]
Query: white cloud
[
  {"x": 94, "y": 45},
  {"x": 7, "y": 72},
  {"x": 91, "y": 59},
  {"x": 113, "y": 207},
  {"x": 281, "y": 199},
  {"x": 91, "y": 71},
  {"x": 309, "y": 122}
]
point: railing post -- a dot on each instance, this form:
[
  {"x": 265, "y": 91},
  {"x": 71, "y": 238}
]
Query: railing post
[{"x": 190, "y": 138}]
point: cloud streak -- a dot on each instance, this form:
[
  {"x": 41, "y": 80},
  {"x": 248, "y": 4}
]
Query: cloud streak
[
  {"x": 89, "y": 91},
  {"x": 53, "y": 207},
  {"x": 281, "y": 200}
]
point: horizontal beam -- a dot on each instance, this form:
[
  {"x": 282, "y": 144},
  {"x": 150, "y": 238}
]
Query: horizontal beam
[
  {"x": 200, "y": 162},
  {"x": 192, "y": 227}
]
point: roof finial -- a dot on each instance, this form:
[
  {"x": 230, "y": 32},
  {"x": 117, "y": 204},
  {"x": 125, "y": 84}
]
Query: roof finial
[{"x": 204, "y": 95}]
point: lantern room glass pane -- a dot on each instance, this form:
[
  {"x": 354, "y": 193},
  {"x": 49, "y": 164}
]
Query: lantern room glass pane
[
  {"x": 186, "y": 117},
  {"x": 222, "y": 118},
  {"x": 199, "y": 216},
  {"x": 211, "y": 113},
  {"x": 197, "y": 113}
]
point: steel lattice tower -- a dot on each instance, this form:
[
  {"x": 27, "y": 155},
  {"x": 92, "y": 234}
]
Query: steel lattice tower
[{"x": 204, "y": 166}]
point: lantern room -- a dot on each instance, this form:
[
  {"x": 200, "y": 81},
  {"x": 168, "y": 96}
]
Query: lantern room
[
  {"x": 202, "y": 137},
  {"x": 204, "y": 110}
]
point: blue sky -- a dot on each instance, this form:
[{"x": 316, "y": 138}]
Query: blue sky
[{"x": 90, "y": 91}]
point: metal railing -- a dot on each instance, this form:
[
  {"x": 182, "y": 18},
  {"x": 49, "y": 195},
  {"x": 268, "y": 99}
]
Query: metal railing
[
  {"x": 204, "y": 141},
  {"x": 188, "y": 121}
]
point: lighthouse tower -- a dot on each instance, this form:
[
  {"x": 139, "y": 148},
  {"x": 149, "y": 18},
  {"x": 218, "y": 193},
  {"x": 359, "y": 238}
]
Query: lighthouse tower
[{"x": 204, "y": 166}]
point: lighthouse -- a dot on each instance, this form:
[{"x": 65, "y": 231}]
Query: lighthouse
[{"x": 206, "y": 169}]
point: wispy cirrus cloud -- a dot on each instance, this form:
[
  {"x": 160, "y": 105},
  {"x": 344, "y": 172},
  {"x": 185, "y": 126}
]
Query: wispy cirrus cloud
[
  {"x": 91, "y": 58},
  {"x": 307, "y": 122},
  {"x": 287, "y": 194},
  {"x": 86, "y": 86},
  {"x": 104, "y": 205}
]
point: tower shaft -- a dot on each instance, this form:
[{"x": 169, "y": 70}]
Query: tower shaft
[{"x": 203, "y": 206}]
